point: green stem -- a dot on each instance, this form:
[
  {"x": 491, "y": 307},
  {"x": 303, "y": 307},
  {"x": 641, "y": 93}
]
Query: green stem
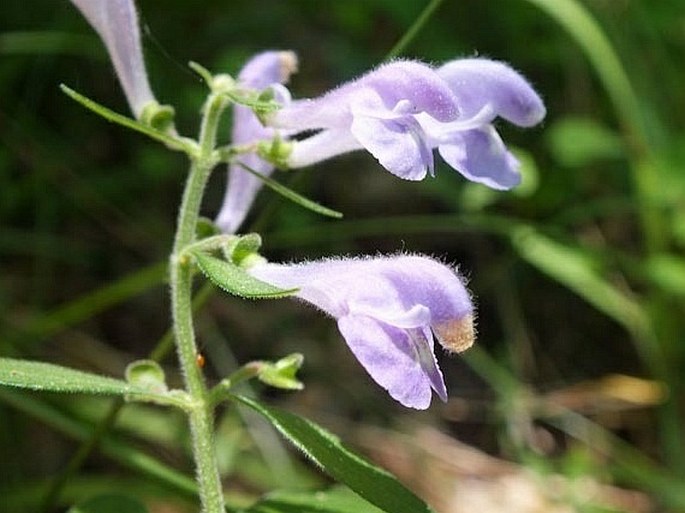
[
  {"x": 412, "y": 32},
  {"x": 201, "y": 417}
]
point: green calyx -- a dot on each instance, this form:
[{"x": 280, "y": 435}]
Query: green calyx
[
  {"x": 159, "y": 117},
  {"x": 276, "y": 151}
]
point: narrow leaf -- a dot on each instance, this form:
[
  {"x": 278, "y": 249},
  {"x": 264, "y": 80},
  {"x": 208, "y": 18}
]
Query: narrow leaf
[
  {"x": 236, "y": 280},
  {"x": 292, "y": 195},
  {"x": 55, "y": 378},
  {"x": 115, "y": 117},
  {"x": 372, "y": 483}
]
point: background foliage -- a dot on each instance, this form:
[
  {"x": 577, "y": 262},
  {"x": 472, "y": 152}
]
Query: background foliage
[{"x": 579, "y": 274}]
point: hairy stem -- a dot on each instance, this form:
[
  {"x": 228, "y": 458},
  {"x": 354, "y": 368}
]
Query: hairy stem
[{"x": 201, "y": 418}]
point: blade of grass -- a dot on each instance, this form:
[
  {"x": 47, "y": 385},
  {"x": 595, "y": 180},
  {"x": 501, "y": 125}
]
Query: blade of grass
[{"x": 414, "y": 30}]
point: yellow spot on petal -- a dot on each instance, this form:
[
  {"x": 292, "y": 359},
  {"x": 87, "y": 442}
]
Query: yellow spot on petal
[
  {"x": 289, "y": 64},
  {"x": 456, "y": 335}
]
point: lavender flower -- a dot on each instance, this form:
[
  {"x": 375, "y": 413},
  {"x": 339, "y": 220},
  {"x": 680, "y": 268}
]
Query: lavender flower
[
  {"x": 116, "y": 21},
  {"x": 403, "y": 110},
  {"x": 387, "y": 310},
  {"x": 485, "y": 90},
  {"x": 376, "y": 112},
  {"x": 260, "y": 72}
]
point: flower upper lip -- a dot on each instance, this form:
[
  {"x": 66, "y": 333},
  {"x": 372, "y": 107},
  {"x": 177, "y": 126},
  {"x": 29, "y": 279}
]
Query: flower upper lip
[{"x": 392, "y": 84}]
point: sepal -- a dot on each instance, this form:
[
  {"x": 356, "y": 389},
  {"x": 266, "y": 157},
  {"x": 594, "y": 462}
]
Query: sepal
[
  {"x": 159, "y": 117},
  {"x": 235, "y": 280},
  {"x": 243, "y": 250},
  {"x": 147, "y": 375},
  {"x": 206, "y": 228},
  {"x": 282, "y": 374},
  {"x": 276, "y": 151}
]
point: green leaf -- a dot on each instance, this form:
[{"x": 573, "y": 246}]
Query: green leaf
[
  {"x": 372, "y": 483},
  {"x": 171, "y": 142},
  {"x": 109, "y": 503},
  {"x": 338, "y": 499},
  {"x": 292, "y": 195},
  {"x": 55, "y": 378},
  {"x": 235, "y": 280}
]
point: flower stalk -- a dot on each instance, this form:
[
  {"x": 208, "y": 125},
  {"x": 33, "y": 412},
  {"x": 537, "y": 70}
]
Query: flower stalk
[{"x": 201, "y": 415}]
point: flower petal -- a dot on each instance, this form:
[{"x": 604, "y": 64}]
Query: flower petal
[
  {"x": 116, "y": 21},
  {"x": 418, "y": 316},
  {"x": 399, "y": 81},
  {"x": 398, "y": 145},
  {"x": 423, "y": 343},
  {"x": 480, "y": 155},
  {"x": 479, "y": 82},
  {"x": 322, "y": 146},
  {"x": 388, "y": 286},
  {"x": 389, "y": 355},
  {"x": 267, "y": 68}
]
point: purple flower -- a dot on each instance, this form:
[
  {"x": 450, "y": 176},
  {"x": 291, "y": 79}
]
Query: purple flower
[
  {"x": 377, "y": 112},
  {"x": 403, "y": 110},
  {"x": 116, "y": 21},
  {"x": 485, "y": 90},
  {"x": 260, "y": 72},
  {"x": 388, "y": 309}
]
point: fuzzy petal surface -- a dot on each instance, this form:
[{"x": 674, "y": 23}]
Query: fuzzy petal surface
[
  {"x": 116, "y": 22},
  {"x": 389, "y": 356},
  {"x": 480, "y": 82},
  {"x": 481, "y": 156},
  {"x": 387, "y": 309}
]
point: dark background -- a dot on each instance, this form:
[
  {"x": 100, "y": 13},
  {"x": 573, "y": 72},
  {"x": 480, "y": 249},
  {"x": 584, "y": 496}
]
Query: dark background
[{"x": 85, "y": 204}]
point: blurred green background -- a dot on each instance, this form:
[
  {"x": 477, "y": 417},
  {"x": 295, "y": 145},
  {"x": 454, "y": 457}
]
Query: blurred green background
[{"x": 574, "y": 396}]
